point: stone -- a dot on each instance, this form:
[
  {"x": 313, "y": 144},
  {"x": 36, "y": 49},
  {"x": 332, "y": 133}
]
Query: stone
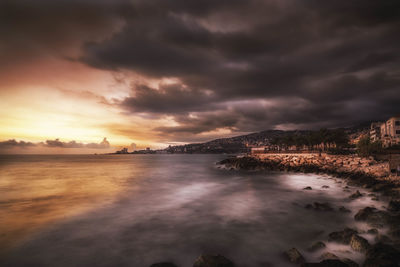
[
  {"x": 356, "y": 195},
  {"x": 325, "y": 186},
  {"x": 293, "y": 255},
  {"x": 163, "y": 264},
  {"x": 326, "y": 263},
  {"x": 342, "y": 237},
  {"x": 307, "y": 188},
  {"x": 359, "y": 244},
  {"x": 212, "y": 261},
  {"x": 343, "y": 209},
  {"x": 382, "y": 255},
  {"x": 329, "y": 256},
  {"x": 373, "y": 216},
  {"x": 372, "y": 231},
  {"x": 317, "y": 246},
  {"x": 350, "y": 263},
  {"x": 394, "y": 205}
]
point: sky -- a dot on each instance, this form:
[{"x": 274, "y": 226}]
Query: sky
[{"x": 159, "y": 72}]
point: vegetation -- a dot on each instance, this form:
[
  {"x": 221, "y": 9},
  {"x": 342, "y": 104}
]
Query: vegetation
[
  {"x": 366, "y": 147},
  {"x": 323, "y": 139}
]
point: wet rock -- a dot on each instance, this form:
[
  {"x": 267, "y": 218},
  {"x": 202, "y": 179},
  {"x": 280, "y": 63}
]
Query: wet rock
[
  {"x": 212, "y": 261},
  {"x": 163, "y": 264},
  {"x": 375, "y": 198},
  {"x": 317, "y": 246},
  {"x": 356, "y": 195},
  {"x": 342, "y": 237},
  {"x": 307, "y": 188},
  {"x": 326, "y": 263},
  {"x": 329, "y": 256},
  {"x": 325, "y": 186},
  {"x": 359, "y": 244},
  {"x": 383, "y": 239},
  {"x": 319, "y": 206},
  {"x": 344, "y": 209},
  {"x": 394, "y": 205},
  {"x": 372, "y": 231},
  {"x": 382, "y": 255},
  {"x": 373, "y": 216},
  {"x": 350, "y": 263},
  {"x": 293, "y": 255}
]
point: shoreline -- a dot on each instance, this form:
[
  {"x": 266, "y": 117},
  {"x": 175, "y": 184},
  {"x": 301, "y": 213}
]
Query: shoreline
[{"x": 365, "y": 173}]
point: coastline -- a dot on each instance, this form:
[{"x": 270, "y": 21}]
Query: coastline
[{"x": 367, "y": 173}]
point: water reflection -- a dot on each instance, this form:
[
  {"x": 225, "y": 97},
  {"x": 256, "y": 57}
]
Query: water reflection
[{"x": 148, "y": 208}]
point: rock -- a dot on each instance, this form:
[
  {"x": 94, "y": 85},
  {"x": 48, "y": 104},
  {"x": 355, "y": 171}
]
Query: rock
[
  {"x": 329, "y": 256},
  {"x": 343, "y": 209},
  {"x": 373, "y": 216},
  {"x": 319, "y": 206},
  {"x": 317, "y": 246},
  {"x": 350, "y": 263},
  {"x": 359, "y": 244},
  {"x": 383, "y": 239},
  {"x": 307, "y": 188},
  {"x": 212, "y": 261},
  {"x": 382, "y": 255},
  {"x": 342, "y": 237},
  {"x": 163, "y": 264},
  {"x": 294, "y": 256},
  {"x": 325, "y": 186},
  {"x": 394, "y": 205},
  {"x": 326, "y": 263},
  {"x": 356, "y": 195},
  {"x": 372, "y": 231}
]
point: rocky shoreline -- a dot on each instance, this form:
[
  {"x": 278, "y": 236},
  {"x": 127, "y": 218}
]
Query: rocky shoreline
[{"x": 356, "y": 171}]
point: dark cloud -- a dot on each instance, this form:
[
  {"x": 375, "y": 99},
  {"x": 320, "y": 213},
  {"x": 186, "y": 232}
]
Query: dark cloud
[{"x": 242, "y": 65}]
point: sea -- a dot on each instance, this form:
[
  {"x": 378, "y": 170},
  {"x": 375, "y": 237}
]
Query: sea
[{"x": 136, "y": 210}]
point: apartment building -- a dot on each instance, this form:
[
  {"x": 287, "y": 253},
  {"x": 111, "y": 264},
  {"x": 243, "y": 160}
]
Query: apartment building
[{"x": 388, "y": 132}]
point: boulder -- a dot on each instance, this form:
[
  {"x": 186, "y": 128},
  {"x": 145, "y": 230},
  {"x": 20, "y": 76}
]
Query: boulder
[
  {"x": 293, "y": 255},
  {"x": 372, "y": 231},
  {"x": 316, "y": 246},
  {"x": 394, "y": 205},
  {"x": 344, "y": 209},
  {"x": 326, "y": 263},
  {"x": 319, "y": 206},
  {"x": 307, "y": 188},
  {"x": 382, "y": 255},
  {"x": 356, "y": 195},
  {"x": 359, "y": 244},
  {"x": 212, "y": 261},
  {"x": 342, "y": 237},
  {"x": 325, "y": 186},
  {"x": 373, "y": 216},
  {"x": 163, "y": 264},
  {"x": 329, "y": 256}
]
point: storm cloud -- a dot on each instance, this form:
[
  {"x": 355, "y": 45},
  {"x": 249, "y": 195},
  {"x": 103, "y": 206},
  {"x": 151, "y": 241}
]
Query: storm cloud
[{"x": 241, "y": 65}]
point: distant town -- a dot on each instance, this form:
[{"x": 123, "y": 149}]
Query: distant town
[{"x": 378, "y": 137}]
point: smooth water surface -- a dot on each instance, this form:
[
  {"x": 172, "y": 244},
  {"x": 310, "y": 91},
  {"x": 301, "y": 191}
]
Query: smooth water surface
[{"x": 135, "y": 210}]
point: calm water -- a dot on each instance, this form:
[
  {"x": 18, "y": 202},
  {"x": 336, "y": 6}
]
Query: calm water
[{"x": 135, "y": 210}]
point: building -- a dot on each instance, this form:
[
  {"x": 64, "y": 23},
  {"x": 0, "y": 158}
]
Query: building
[
  {"x": 122, "y": 151},
  {"x": 375, "y": 131},
  {"x": 389, "y": 132}
]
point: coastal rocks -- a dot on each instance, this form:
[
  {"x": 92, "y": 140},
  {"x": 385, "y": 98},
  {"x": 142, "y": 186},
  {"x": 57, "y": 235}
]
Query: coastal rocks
[
  {"x": 293, "y": 255},
  {"x": 356, "y": 195},
  {"x": 372, "y": 231},
  {"x": 327, "y": 263},
  {"x": 212, "y": 261},
  {"x": 317, "y": 246},
  {"x": 163, "y": 264},
  {"x": 344, "y": 209},
  {"x": 382, "y": 255},
  {"x": 307, "y": 188},
  {"x": 394, "y": 206},
  {"x": 319, "y": 206},
  {"x": 329, "y": 256},
  {"x": 358, "y": 243},
  {"x": 342, "y": 237},
  {"x": 325, "y": 186},
  {"x": 373, "y": 216}
]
